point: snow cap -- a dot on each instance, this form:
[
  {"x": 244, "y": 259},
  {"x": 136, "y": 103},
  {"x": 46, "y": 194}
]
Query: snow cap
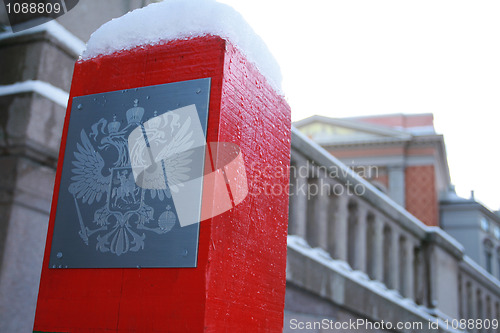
[{"x": 183, "y": 19}]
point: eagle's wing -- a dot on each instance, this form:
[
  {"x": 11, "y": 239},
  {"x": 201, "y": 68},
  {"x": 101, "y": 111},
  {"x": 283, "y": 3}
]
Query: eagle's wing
[
  {"x": 180, "y": 142},
  {"x": 88, "y": 182},
  {"x": 176, "y": 156}
]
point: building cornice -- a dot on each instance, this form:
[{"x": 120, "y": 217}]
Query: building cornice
[
  {"x": 51, "y": 31},
  {"x": 468, "y": 205},
  {"x": 355, "y": 125},
  {"x": 45, "y": 89}
]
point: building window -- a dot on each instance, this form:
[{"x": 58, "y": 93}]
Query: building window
[
  {"x": 488, "y": 255},
  {"x": 496, "y": 232},
  {"x": 485, "y": 224}
]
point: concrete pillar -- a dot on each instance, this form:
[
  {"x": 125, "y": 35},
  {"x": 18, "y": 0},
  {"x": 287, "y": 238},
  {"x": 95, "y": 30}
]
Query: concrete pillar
[
  {"x": 474, "y": 313},
  {"x": 397, "y": 184},
  {"x": 480, "y": 307},
  {"x": 312, "y": 196},
  {"x": 352, "y": 225},
  {"x": 370, "y": 245},
  {"x": 488, "y": 312},
  {"x": 497, "y": 309},
  {"x": 394, "y": 261},
  {"x": 338, "y": 238},
  {"x": 496, "y": 262},
  {"x": 298, "y": 202},
  {"x": 420, "y": 279},
  {"x": 432, "y": 271},
  {"x": 360, "y": 246},
  {"x": 317, "y": 213},
  {"x": 463, "y": 297},
  {"x": 408, "y": 291},
  {"x": 378, "y": 256},
  {"x": 321, "y": 215}
]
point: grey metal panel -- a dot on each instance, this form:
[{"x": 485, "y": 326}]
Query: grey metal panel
[{"x": 109, "y": 214}]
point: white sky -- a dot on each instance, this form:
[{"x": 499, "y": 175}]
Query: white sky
[{"x": 362, "y": 57}]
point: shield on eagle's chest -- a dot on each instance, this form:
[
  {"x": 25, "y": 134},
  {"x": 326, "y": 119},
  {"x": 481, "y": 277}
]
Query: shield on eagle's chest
[
  {"x": 124, "y": 195},
  {"x": 126, "y": 152}
]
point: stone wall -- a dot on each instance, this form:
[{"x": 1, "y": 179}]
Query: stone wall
[{"x": 30, "y": 132}]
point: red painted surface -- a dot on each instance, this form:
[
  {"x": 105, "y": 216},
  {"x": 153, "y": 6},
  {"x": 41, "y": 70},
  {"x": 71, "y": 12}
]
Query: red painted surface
[
  {"x": 246, "y": 275},
  {"x": 239, "y": 284}
]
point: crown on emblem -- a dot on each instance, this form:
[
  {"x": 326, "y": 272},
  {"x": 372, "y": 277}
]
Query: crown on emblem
[
  {"x": 134, "y": 115},
  {"x": 155, "y": 121},
  {"x": 114, "y": 126}
]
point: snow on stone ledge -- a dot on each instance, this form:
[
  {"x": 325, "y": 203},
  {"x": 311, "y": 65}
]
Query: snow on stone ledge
[
  {"x": 182, "y": 19},
  {"x": 56, "y": 30}
]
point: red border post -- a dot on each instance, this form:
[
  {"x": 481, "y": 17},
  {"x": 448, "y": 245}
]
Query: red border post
[{"x": 239, "y": 282}]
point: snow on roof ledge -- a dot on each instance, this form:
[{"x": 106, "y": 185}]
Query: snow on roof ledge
[{"x": 182, "y": 19}]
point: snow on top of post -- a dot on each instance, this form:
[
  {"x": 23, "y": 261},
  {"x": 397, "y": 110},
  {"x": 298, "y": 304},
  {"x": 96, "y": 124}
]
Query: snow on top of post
[{"x": 183, "y": 19}]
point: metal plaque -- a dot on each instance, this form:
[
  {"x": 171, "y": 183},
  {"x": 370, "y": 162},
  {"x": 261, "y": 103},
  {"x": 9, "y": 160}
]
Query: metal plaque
[{"x": 130, "y": 156}]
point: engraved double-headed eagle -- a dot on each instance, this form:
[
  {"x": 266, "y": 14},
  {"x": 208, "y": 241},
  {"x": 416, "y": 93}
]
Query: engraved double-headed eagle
[{"x": 105, "y": 166}]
